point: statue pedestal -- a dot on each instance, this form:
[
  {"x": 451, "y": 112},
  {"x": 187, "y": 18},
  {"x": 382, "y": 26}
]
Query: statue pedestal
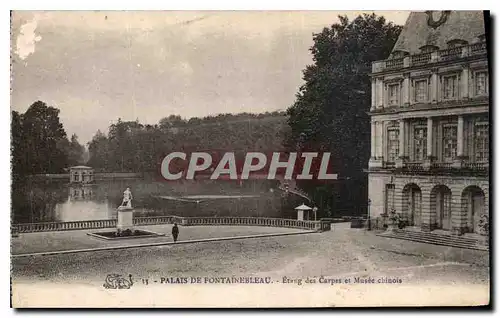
[{"x": 125, "y": 218}]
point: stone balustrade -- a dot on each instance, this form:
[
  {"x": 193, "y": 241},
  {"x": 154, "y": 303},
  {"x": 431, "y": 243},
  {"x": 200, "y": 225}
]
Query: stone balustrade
[
  {"x": 319, "y": 226},
  {"x": 154, "y": 220},
  {"x": 414, "y": 166},
  {"x": 394, "y": 63},
  {"x": 477, "y": 48},
  {"x": 442, "y": 165},
  {"x": 420, "y": 59},
  {"x": 420, "y": 166},
  {"x": 479, "y": 166},
  {"x": 63, "y": 226},
  {"x": 256, "y": 221},
  {"x": 430, "y": 57},
  {"x": 450, "y": 54}
]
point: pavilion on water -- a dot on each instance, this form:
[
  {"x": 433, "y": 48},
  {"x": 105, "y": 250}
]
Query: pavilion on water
[{"x": 81, "y": 174}]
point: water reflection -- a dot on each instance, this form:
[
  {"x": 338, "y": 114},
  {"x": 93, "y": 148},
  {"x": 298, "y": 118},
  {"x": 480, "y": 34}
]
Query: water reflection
[
  {"x": 58, "y": 201},
  {"x": 80, "y": 193},
  {"x": 82, "y": 205}
]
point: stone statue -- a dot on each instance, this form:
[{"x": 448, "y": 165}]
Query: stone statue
[{"x": 127, "y": 198}]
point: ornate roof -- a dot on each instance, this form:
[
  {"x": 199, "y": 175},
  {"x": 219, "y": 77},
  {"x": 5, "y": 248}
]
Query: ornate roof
[{"x": 437, "y": 28}]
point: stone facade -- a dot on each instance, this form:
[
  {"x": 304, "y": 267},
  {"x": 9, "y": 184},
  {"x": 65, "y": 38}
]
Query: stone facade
[{"x": 430, "y": 125}]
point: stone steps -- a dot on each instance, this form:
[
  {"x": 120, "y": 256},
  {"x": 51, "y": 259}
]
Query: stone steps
[{"x": 436, "y": 239}]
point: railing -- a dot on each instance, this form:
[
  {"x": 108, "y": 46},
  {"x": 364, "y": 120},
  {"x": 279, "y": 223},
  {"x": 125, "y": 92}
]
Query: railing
[
  {"x": 478, "y": 48},
  {"x": 63, "y": 226},
  {"x": 420, "y": 59},
  {"x": 430, "y": 57},
  {"x": 442, "y": 165},
  {"x": 394, "y": 63},
  {"x": 475, "y": 165},
  {"x": 418, "y": 166},
  {"x": 153, "y": 220},
  {"x": 414, "y": 166},
  {"x": 170, "y": 219},
  {"x": 252, "y": 221},
  {"x": 450, "y": 54}
]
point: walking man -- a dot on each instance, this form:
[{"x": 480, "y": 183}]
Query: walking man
[{"x": 175, "y": 232}]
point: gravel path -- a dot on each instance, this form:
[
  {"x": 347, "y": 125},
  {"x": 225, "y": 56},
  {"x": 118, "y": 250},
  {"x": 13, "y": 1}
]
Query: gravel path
[
  {"x": 328, "y": 253},
  {"x": 337, "y": 255}
]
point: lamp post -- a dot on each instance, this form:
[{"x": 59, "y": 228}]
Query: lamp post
[
  {"x": 315, "y": 210},
  {"x": 369, "y": 222}
]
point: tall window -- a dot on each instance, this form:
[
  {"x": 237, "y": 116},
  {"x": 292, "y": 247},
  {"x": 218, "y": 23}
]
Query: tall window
[
  {"x": 393, "y": 144},
  {"x": 393, "y": 94},
  {"x": 449, "y": 143},
  {"x": 481, "y": 83},
  {"x": 420, "y": 143},
  {"x": 481, "y": 142},
  {"x": 421, "y": 91},
  {"x": 450, "y": 87}
]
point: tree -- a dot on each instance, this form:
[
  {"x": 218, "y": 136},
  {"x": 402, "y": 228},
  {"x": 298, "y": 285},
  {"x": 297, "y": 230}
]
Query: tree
[
  {"x": 99, "y": 152},
  {"x": 172, "y": 121},
  {"x": 329, "y": 113},
  {"x": 43, "y": 140},
  {"x": 75, "y": 151},
  {"x": 18, "y": 154}
]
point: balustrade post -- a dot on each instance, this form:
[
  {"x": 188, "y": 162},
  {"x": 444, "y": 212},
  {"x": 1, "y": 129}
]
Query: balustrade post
[
  {"x": 465, "y": 51},
  {"x": 406, "y": 61}
]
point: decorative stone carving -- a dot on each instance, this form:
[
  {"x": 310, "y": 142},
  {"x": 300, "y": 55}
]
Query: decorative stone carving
[{"x": 436, "y": 18}]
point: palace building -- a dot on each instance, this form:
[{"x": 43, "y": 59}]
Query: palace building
[{"x": 430, "y": 124}]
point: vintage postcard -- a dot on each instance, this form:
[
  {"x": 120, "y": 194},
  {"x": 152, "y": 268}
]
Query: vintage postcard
[{"x": 250, "y": 159}]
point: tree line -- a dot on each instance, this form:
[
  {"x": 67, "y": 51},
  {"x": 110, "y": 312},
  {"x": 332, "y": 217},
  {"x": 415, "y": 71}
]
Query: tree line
[{"x": 130, "y": 146}]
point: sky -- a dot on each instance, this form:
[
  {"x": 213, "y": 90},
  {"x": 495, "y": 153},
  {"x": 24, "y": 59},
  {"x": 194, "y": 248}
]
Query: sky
[{"x": 98, "y": 66}]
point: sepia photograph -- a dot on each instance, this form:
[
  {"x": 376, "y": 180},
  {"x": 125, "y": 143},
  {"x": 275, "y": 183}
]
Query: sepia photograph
[{"x": 250, "y": 159}]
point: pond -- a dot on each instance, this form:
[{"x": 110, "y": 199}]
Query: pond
[{"x": 46, "y": 200}]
